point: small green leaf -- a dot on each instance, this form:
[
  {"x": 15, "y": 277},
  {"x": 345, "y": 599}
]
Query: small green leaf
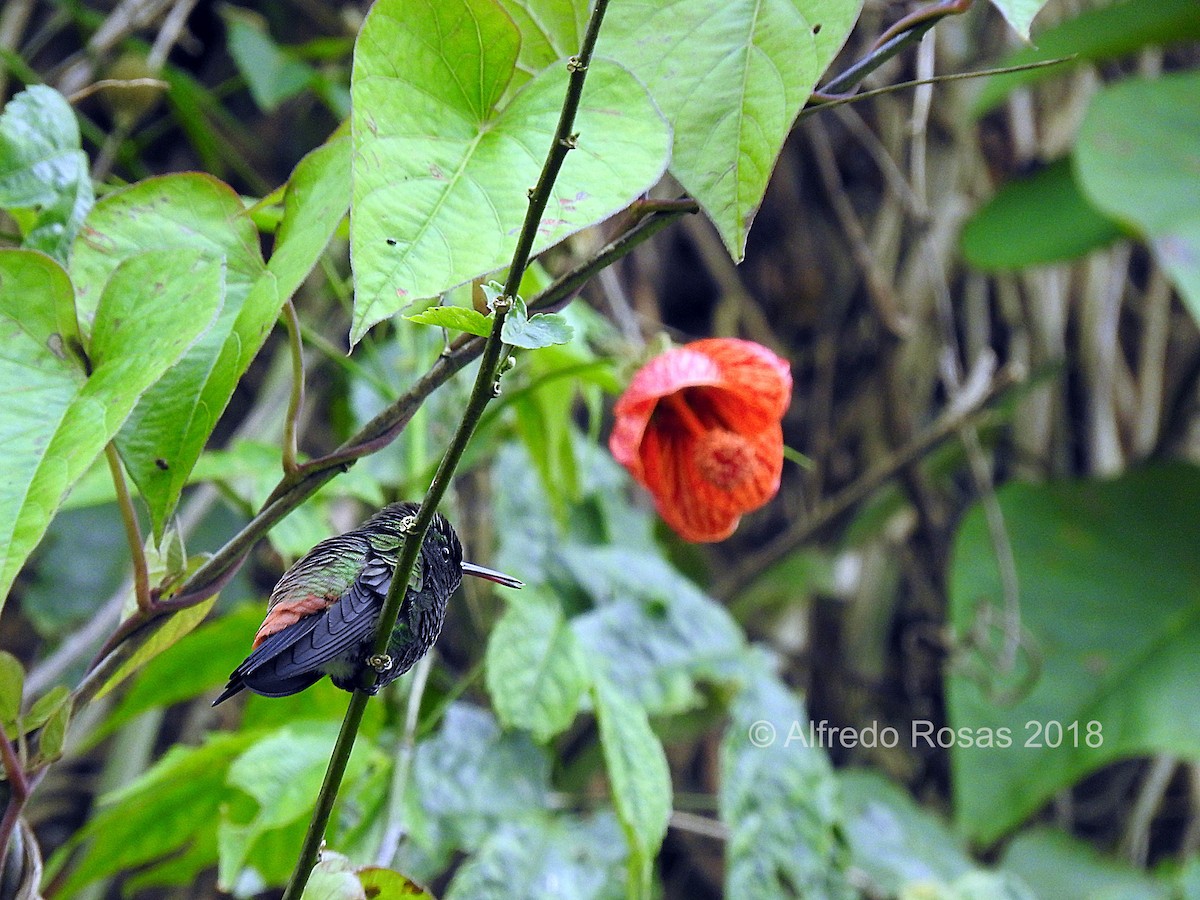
[
  {"x": 283, "y": 773},
  {"x": 334, "y": 878},
  {"x": 638, "y": 775},
  {"x": 536, "y": 672},
  {"x": 458, "y": 318},
  {"x": 1031, "y": 221},
  {"x": 779, "y": 798},
  {"x": 188, "y": 668},
  {"x": 1137, "y": 158},
  {"x": 176, "y": 627},
  {"x": 44, "y": 707},
  {"x": 272, "y": 74},
  {"x": 531, "y": 332},
  {"x": 12, "y": 684},
  {"x": 54, "y": 731},
  {"x": 42, "y": 167},
  {"x": 1019, "y": 13}
]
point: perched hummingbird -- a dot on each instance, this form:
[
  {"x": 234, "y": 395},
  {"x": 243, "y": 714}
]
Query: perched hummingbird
[{"x": 322, "y": 615}]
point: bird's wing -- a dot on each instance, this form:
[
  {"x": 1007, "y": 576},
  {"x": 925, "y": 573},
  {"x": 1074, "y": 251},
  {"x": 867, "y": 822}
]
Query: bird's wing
[{"x": 319, "y": 638}]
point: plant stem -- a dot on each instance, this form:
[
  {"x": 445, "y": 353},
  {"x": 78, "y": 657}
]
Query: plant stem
[
  {"x": 141, "y": 574},
  {"x": 485, "y": 387},
  {"x": 904, "y": 33},
  {"x": 393, "y": 831},
  {"x": 291, "y": 322}
]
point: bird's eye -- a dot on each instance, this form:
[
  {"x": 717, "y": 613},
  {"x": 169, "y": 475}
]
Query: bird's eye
[{"x": 445, "y": 552}]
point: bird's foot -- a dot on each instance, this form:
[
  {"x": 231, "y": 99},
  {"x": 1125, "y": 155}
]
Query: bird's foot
[{"x": 380, "y": 662}]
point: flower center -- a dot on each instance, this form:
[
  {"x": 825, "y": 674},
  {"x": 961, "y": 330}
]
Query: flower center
[{"x": 723, "y": 458}]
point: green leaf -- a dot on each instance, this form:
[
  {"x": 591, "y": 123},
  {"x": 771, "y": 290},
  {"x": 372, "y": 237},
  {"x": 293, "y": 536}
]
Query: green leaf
[
  {"x": 638, "y": 775},
  {"x": 333, "y": 878},
  {"x": 897, "y": 844},
  {"x": 459, "y": 318},
  {"x": 731, "y": 79},
  {"x": 550, "y": 30},
  {"x": 441, "y": 175},
  {"x": 42, "y": 167},
  {"x": 188, "y": 668},
  {"x": 1137, "y": 158},
  {"x": 316, "y": 201},
  {"x": 470, "y": 776},
  {"x": 176, "y": 627},
  {"x": 283, "y": 773},
  {"x": 1108, "y": 588},
  {"x": 1019, "y": 13},
  {"x": 56, "y": 421},
  {"x": 1040, "y": 219},
  {"x": 54, "y": 730},
  {"x": 1095, "y": 35},
  {"x": 12, "y": 685},
  {"x": 44, "y": 707},
  {"x": 559, "y": 858},
  {"x": 536, "y": 672},
  {"x": 779, "y": 798},
  {"x": 536, "y": 331},
  {"x": 272, "y": 74},
  {"x": 1055, "y": 864},
  {"x": 161, "y": 812},
  {"x": 200, "y": 215},
  {"x": 384, "y": 884},
  {"x": 653, "y": 632}
]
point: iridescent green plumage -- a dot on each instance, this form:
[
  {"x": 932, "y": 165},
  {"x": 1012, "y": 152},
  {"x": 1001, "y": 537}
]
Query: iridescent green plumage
[{"x": 322, "y": 615}]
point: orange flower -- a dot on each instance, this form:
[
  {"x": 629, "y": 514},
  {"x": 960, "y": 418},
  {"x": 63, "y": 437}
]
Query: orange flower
[{"x": 698, "y": 427}]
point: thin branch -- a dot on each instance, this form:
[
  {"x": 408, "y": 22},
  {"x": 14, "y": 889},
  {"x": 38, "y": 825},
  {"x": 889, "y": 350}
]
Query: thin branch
[
  {"x": 903, "y": 34},
  {"x": 141, "y": 574},
  {"x": 485, "y": 388},
  {"x": 393, "y": 831},
  {"x": 291, "y": 322},
  {"x": 818, "y": 103},
  {"x": 18, "y": 793}
]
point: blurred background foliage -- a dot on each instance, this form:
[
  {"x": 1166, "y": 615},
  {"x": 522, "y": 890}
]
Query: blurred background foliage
[{"x": 988, "y": 292}]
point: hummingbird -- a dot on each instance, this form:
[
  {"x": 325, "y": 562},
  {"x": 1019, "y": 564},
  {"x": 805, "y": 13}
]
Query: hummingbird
[{"x": 323, "y": 613}]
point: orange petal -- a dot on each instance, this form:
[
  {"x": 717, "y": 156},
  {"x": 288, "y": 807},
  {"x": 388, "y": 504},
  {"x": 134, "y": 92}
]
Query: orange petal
[{"x": 696, "y": 509}]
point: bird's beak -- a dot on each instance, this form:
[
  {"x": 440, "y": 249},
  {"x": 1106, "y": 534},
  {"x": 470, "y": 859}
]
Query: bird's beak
[{"x": 491, "y": 575}]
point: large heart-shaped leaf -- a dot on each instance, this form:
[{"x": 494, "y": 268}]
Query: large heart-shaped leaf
[
  {"x": 54, "y": 420},
  {"x": 1137, "y": 159},
  {"x": 1109, "y": 594},
  {"x": 731, "y": 78},
  {"x": 441, "y": 176}
]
